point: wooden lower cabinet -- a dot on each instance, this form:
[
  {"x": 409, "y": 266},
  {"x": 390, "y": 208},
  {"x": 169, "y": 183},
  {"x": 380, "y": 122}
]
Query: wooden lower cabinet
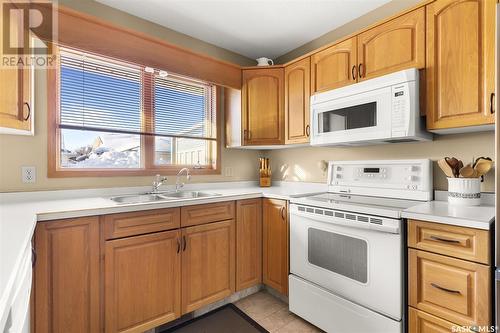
[
  {"x": 248, "y": 243},
  {"x": 137, "y": 223},
  {"x": 421, "y": 322},
  {"x": 275, "y": 244},
  {"x": 208, "y": 263},
  {"x": 67, "y": 276},
  {"x": 459, "y": 242},
  {"x": 444, "y": 290},
  {"x": 453, "y": 289},
  {"x": 118, "y": 273},
  {"x": 142, "y": 281}
]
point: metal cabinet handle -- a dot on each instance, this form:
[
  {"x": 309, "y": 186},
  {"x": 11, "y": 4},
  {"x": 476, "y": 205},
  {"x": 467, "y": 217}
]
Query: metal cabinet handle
[
  {"x": 440, "y": 239},
  {"x": 29, "y": 111},
  {"x": 184, "y": 241},
  {"x": 445, "y": 289},
  {"x": 360, "y": 73},
  {"x": 33, "y": 256},
  {"x": 308, "y": 130},
  {"x": 178, "y": 245},
  {"x": 282, "y": 212},
  {"x": 353, "y": 72},
  {"x": 249, "y": 134},
  {"x": 492, "y": 105}
]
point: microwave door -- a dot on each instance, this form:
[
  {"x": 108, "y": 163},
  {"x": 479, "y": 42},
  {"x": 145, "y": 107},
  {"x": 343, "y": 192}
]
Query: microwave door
[{"x": 356, "y": 118}]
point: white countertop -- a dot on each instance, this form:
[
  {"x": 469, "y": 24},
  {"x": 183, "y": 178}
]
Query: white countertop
[
  {"x": 19, "y": 213},
  {"x": 479, "y": 217}
]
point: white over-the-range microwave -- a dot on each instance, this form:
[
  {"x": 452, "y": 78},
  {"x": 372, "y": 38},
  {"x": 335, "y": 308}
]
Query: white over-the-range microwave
[{"x": 379, "y": 110}]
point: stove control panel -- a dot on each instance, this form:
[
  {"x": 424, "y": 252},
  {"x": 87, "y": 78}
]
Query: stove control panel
[{"x": 385, "y": 178}]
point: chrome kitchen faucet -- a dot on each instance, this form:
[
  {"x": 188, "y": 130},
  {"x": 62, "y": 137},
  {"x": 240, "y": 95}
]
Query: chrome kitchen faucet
[{"x": 178, "y": 184}]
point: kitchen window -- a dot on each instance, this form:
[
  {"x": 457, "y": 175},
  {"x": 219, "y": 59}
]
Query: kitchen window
[{"x": 113, "y": 117}]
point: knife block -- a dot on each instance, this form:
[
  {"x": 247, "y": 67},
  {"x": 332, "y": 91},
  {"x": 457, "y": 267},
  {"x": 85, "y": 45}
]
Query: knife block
[{"x": 265, "y": 181}]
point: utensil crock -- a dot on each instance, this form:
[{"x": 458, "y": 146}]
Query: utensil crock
[{"x": 464, "y": 191}]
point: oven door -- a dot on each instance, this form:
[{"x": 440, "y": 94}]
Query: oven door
[
  {"x": 351, "y": 260},
  {"x": 361, "y": 117}
]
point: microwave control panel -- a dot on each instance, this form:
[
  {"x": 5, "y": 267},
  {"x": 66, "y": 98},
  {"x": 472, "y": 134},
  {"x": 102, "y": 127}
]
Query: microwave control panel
[
  {"x": 359, "y": 177},
  {"x": 400, "y": 110}
]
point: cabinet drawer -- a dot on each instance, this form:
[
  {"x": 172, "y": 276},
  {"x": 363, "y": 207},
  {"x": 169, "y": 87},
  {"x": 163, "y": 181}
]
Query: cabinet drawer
[
  {"x": 453, "y": 289},
  {"x": 421, "y": 322},
  {"x": 460, "y": 242},
  {"x": 137, "y": 223},
  {"x": 200, "y": 214}
]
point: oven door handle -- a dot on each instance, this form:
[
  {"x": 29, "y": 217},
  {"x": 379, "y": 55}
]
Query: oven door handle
[{"x": 346, "y": 223}]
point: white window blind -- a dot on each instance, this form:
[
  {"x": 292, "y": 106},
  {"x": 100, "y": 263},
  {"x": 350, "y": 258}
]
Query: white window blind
[
  {"x": 99, "y": 94},
  {"x": 106, "y": 105},
  {"x": 184, "y": 108}
]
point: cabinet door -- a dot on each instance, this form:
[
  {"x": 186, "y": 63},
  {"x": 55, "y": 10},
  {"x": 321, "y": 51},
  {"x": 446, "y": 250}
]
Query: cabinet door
[
  {"x": 297, "y": 93},
  {"x": 422, "y": 322},
  {"x": 67, "y": 276},
  {"x": 275, "y": 244},
  {"x": 16, "y": 94},
  {"x": 262, "y": 106},
  {"x": 248, "y": 243},
  {"x": 208, "y": 261},
  {"x": 142, "y": 281},
  {"x": 392, "y": 46},
  {"x": 452, "y": 289},
  {"x": 460, "y": 63},
  {"x": 334, "y": 67}
]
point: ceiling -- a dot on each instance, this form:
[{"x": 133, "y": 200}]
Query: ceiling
[{"x": 253, "y": 28}]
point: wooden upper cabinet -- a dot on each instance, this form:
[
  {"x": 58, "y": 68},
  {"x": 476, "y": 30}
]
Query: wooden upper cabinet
[
  {"x": 460, "y": 63},
  {"x": 334, "y": 67},
  {"x": 142, "y": 281},
  {"x": 297, "y": 93},
  {"x": 262, "y": 106},
  {"x": 67, "y": 274},
  {"x": 16, "y": 95},
  {"x": 395, "y": 45},
  {"x": 275, "y": 244},
  {"x": 248, "y": 243},
  {"x": 208, "y": 263}
]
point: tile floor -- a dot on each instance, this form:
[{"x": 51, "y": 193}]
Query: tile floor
[{"x": 272, "y": 314}]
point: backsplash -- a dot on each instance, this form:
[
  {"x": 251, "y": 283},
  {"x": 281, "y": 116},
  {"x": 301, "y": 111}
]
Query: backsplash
[{"x": 303, "y": 164}]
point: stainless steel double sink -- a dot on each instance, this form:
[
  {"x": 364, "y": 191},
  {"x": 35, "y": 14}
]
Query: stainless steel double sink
[{"x": 162, "y": 196}]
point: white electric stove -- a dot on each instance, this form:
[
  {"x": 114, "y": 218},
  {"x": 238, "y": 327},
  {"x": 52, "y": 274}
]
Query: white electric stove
[{"x": 346, "y": 245}]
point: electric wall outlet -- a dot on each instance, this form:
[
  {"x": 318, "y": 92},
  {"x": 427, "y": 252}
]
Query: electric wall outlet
[
  {"x": 228, "y": 171},
  {"x": 28, "y": 174}
]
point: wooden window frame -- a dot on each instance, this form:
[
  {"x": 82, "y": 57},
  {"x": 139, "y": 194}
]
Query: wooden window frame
[{"x": 148, "y": 166}]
